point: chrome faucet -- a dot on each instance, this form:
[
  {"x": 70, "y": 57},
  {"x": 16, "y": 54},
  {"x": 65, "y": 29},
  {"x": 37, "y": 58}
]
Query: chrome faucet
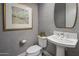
[{"x": 62, "y": 35}]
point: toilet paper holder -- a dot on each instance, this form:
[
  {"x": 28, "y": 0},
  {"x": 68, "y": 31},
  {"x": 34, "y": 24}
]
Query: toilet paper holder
[{"x": 22, "y": 42}]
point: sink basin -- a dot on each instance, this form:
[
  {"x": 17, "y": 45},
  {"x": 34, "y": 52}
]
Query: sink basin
[{"x": 62, "y": 41}]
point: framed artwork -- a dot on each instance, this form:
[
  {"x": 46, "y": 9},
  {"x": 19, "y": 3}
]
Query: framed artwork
[{"x": 17, "y": 17}]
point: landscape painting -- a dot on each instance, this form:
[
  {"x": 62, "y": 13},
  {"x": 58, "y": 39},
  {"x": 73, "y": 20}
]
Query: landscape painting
[
  {"x": 20, "y": 16},
  {"x": 17, "y": 17}
]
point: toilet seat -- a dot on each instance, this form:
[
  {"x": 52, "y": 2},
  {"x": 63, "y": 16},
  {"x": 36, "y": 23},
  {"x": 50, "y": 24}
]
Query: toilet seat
[{"x": 33, "y": 49}]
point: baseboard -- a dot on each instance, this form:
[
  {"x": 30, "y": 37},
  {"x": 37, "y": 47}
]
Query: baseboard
[{"x": 4, "y": 54}]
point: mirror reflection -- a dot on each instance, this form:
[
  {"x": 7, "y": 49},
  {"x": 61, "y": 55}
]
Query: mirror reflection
[{"x": 65, "y": 15}]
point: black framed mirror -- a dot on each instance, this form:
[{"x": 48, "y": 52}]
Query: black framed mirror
[{"x": 65, "y": 15}]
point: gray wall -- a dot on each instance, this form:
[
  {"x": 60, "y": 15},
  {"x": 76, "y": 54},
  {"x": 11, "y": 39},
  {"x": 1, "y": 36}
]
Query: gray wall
[
  {"x": 9, "y": 41},
  {"x": 46, "y": 24}
]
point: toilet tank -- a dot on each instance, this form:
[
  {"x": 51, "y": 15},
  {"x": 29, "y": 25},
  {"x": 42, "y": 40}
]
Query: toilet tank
[{"x": 42, "y": 41}]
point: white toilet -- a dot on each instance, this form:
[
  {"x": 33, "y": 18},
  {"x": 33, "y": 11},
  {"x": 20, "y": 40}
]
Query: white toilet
[{"x": 36, "y": 50}]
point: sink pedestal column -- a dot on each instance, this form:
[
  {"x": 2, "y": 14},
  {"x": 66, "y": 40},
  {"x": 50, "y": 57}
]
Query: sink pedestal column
[{"x": 60, "y": 51}]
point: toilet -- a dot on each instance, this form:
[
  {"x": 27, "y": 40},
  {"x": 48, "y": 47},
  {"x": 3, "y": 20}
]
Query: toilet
[{"x": 36, "y": 50}]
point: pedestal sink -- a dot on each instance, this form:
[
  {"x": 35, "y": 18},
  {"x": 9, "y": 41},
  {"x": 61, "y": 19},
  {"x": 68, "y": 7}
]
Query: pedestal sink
[{"x": 63, "y": 41}]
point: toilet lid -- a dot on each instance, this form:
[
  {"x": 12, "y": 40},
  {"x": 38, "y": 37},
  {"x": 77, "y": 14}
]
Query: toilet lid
[{"x": 33, "y": 49}]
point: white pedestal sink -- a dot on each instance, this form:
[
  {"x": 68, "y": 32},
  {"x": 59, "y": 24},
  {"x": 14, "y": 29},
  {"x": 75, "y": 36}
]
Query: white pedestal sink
[
  {"x": 62, "y": 42},
  {"x": 60, "y": 51}
]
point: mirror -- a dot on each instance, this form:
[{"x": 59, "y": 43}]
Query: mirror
[{"x": 65, "y": 15}]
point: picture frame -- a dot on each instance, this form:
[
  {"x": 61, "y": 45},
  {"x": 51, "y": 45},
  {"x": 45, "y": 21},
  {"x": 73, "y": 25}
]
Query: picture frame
[{"x": 17, "y": 17}]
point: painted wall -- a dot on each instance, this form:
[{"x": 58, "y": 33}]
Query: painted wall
[
  {"x": 9, "y": 41},
  {"x": 46, "y": 24}
]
